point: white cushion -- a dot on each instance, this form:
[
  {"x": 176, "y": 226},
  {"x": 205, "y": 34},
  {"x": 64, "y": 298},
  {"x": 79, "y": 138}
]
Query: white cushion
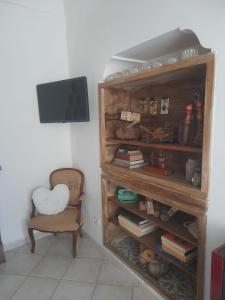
[{"x": 51, "y": 202}]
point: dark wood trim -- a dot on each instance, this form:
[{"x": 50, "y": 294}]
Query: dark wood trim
[
  {"x": 74, "y": 233},
  {"x": 31, "y": 235},
  {"x": 33, "y": 209},
  {"x": 2, "y": 255}
]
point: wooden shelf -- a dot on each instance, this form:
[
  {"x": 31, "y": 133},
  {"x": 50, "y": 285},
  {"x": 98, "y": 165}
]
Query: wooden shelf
[
  {"x": 174, "y": 225},
  {"x": 173, "y": 181},
  {"x": 163, "y": 74},
  {"x": 153, "y": 242},
  {"x": 169, "y": 147}
]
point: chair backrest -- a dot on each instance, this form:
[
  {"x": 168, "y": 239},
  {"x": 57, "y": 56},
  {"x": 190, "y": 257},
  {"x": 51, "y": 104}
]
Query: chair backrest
[{"x": 73, "y": 178}]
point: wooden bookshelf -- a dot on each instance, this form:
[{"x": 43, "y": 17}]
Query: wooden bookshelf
[{"x": 179, "y": 82}]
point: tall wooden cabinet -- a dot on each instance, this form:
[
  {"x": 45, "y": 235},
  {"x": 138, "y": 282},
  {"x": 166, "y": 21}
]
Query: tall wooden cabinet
[{"x": 179, "y": 82}]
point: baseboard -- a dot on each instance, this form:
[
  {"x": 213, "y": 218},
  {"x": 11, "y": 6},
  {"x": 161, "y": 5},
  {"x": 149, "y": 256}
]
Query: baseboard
[{"x": 18, "y": 243}]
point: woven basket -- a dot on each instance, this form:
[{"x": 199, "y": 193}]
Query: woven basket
[
  {"x": 158, "y": 135},
  {"x": 157, "y": 267},
  {"x": 124, "y": 133}
]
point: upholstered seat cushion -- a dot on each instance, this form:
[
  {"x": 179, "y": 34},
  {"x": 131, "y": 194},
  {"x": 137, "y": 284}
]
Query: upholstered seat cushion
[{"x": 63, "y": 221}]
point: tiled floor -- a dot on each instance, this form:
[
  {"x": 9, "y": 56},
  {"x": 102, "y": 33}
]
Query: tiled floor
[{"x": 52, "y": 273}]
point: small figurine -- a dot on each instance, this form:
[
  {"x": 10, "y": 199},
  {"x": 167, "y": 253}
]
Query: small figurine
[
  {"x": 199, "y": 122},
  {"x": 143, "y": 105},
  {"x": 167, "y": 214},
  {"x": 153, "y": 106},
  {"x": 142, "y": 205},
  {"x": 150, "y": 207},
  {"x": 164, "y": 106}
]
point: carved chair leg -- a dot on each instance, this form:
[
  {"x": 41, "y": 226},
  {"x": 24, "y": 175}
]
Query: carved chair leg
[
  {"x": 74, "y": 233},
  {"x": 31, "y": 235},
  {"x": 80, "y": 232}
]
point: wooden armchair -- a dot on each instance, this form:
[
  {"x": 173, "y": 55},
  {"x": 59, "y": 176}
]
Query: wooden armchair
[{"x": 68, "y": 220}]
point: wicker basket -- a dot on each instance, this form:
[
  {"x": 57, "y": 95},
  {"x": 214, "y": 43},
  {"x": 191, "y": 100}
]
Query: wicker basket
[
  {"x": 158, "y": 267},
  {"x": 157, "y": 135},
  {"x": 124, "y": 133}
]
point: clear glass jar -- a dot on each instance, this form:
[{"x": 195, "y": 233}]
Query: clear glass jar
[{"x": 196, "y": 177}]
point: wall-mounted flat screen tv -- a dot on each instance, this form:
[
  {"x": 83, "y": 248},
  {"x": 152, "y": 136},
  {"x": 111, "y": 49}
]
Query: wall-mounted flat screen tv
[{"x": 63, "y": 101}]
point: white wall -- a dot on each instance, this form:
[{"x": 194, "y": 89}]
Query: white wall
[
  {"x": 101, "y": 29},
  {"x": 33, "y": 50}
]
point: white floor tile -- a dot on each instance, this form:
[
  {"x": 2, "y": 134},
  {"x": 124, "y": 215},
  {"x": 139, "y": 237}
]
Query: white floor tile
[
  {"x": 36, "y": 289},
  {"x": 70, "y": 290},
  {"x": 52, "y": 266},
  {"x": 55, "y": 261},
  {"x": 84, "y": 269},
  {"x": 142, "y": 293},
  {"x": 88, "y": 248},
  {"x": 41, "y": 246},
  {"x": 9, "y": 284},
  {"x": 114, "y": 273},
  {"x": 108, "y": 292},
  {"x": 20, "y": 264},
  {"x": 61, "y": 247}
]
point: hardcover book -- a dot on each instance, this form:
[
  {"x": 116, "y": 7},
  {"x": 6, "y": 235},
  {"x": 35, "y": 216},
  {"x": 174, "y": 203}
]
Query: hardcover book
[
  {"x": 177, "y": 242},
  {"x": 133, "y": 217}
]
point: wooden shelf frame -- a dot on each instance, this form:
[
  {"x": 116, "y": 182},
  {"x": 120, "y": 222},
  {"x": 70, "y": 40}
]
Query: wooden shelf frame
[
  {"x": 166, "y": 146},
  {"x": 158, "y": 75},
  {"x": 153, "y": 242},
  {"x": 176, "y": 183},
  {"x": 172, "y": 190},
  {"x": 174, "y": 225}
]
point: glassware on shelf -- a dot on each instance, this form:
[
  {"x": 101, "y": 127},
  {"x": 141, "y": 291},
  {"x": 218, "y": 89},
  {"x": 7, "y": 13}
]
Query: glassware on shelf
[
  {"x": 136, "y": 69},
  {"x": 196, "y": 177},
  {"x": 172, "y": 60},
  {"x": 189, "y": 52},
  {"x": 126, "y": 72},
  {"x": 157, "y": 62},
  {"x": 113, "y": 76}
]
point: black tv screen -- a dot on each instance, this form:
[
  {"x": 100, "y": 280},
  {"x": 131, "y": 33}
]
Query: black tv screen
[{"x": 63, "y": 101}]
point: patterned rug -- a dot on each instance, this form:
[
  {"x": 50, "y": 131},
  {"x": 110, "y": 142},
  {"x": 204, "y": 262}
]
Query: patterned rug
[{"x": 176, "y": 284}]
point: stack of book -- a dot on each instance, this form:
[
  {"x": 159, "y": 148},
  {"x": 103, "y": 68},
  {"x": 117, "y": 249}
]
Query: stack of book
[
  {"x": 135, "y": 224},
  {"x": 180, "y": 249},
  {"x": 129, "y": 157}
]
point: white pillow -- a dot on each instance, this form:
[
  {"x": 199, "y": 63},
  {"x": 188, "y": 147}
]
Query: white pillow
[{"x": 51, "y": 202}]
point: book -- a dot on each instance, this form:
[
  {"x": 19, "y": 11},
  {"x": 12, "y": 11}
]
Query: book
[
  {"x": 136, "y": 232},
  {"x": 183, "y": 258},
  {"x": 132, "y": 224},
  {"x": 128, "y": 163},
  {"x": 177, "y": 242},
  {"x": 138, "y": 165},
  {"x": 178, "y": 251},
  {"x": 129, "y": 157},
  {"x": 133, "y": 217},
  {"x": 128, "y": 149},
  {"x": 135, "y": 229}
]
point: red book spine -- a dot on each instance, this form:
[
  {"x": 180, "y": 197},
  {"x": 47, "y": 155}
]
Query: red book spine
[{"x": 217, "y": 269}]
